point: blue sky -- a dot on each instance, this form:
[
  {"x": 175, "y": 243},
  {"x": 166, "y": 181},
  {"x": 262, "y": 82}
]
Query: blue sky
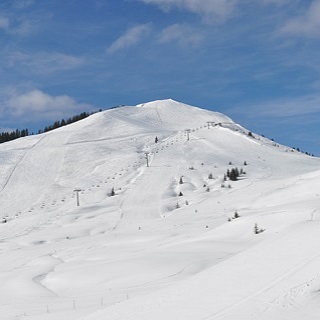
[{"x": 257, "y": 61}]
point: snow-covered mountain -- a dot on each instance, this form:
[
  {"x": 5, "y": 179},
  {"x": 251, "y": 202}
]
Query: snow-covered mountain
[{"x": 177, "y": 239}]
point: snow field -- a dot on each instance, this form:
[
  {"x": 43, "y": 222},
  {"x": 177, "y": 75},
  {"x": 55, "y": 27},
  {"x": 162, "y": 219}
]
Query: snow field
[{"x": 137, "y": 255}]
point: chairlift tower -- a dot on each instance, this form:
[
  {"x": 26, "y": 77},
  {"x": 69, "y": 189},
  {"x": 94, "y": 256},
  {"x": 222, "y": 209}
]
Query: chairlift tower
[
  {"x": 77, "y": 194},
  {"x": 210, "y": 123}
]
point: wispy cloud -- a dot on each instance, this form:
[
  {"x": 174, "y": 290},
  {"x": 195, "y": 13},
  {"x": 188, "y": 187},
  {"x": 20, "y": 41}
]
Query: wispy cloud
[
  {"x": 43, "y": 62},
  {"x": 184, "y": 35},
  {"x": 284, "y": 108},
  {"x": 307, "y": 24},
  {"x": 18, "y": 26},
  {"x": 23, "y": 28},
  {"x": 276, "y": 2},
  {"x": 22, "y": 4},
  {"x": 11, "y": 22},
  {"x": 210, "y": 10},
  {"x": 23, "y": 17},
  {"x": 4, "y": 23},
  {"x": 131, "y": 37}
]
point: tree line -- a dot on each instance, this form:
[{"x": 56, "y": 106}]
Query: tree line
[
  {"x": 8, "y": 136},
  {"x": 63, "y": 122},
  {"x": 15, "y": 134}
]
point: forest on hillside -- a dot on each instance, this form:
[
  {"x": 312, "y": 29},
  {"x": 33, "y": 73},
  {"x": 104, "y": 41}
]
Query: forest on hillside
[{"x": 15, "y": 134}]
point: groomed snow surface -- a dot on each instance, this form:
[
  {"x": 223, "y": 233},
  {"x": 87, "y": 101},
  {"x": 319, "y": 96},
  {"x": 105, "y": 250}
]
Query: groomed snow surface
[{"x": 150, "y": 252}]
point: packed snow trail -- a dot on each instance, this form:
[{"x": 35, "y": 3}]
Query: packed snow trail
[{"x": 143, "y": 201}]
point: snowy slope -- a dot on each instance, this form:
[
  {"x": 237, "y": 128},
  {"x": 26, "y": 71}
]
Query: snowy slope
[{"x": 148, "y": 253}]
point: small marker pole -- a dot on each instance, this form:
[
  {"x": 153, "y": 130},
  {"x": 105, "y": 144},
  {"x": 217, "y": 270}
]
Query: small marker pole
[
  {"x": 188, "y": 132},
  {"x": 147, "y": 158}
]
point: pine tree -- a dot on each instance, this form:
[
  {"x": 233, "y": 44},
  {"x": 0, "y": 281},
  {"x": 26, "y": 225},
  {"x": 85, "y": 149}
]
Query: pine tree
[
  {"x": 236, "y": 215},
  {"x": 233, "y": 176},
  {"x": 257, "y": 230}
]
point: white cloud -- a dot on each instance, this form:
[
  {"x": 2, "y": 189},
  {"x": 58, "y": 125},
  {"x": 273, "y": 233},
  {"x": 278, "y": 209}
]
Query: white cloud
[
  {"x": 4, "y": 23},
  {"x": 132, "y": 36},
  {"x": 211, "y": 10},
  {"x": 308, "y": 24},
  {"x": 182, "y": 34},
  {"x": 37, "y": 104}
]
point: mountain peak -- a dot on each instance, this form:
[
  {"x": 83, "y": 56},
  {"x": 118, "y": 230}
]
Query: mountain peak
[
  {"x": 177, "y": 115},
  {"x": 161, "y": 103}
]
